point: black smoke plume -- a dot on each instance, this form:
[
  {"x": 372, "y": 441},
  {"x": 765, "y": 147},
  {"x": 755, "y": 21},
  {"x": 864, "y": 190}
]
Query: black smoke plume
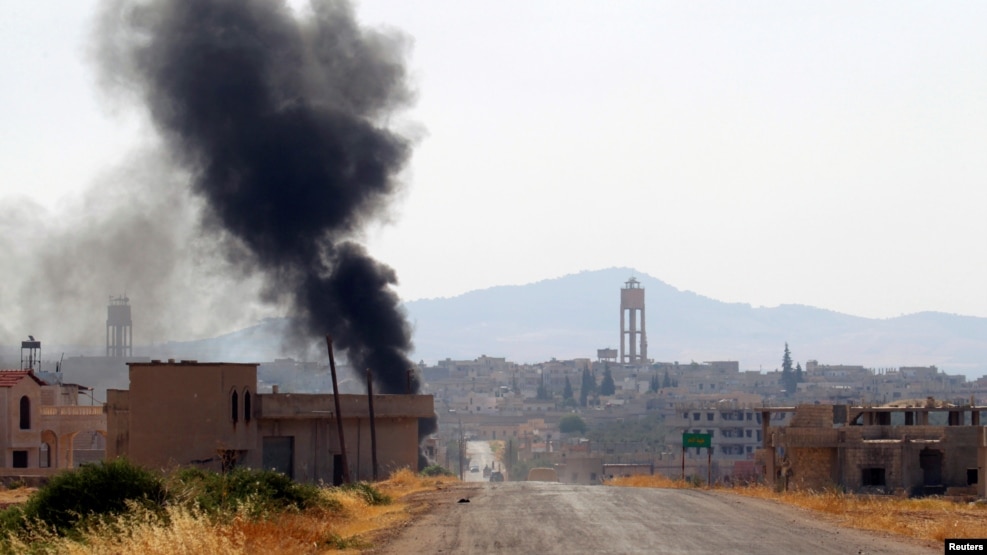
[{"x": 281, "y": 122}]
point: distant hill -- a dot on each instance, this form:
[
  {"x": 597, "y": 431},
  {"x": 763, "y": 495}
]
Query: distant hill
[{"x": 574, "y": 315}]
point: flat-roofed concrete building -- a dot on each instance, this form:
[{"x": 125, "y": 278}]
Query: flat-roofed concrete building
[
  {"x": 210, "y": 415},
  {"x": 43, "y": 429}
]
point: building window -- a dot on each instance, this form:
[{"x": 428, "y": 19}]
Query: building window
[
  {"x": 44, "y": 456},
  {"x": 709, "y": 416},
  {"x": 872, "y": 476},
  {"x": 695, "y": 416},
  {"x": 246, "y": 407},
  {"x": 234, "y": 402},
  {"x": 20, "y": 459},
  {"x": 971, "y": 476},
  {"x": 25, "y": 414}
]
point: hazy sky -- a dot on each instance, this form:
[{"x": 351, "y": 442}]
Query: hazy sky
[{"x": 832, "y": 154}]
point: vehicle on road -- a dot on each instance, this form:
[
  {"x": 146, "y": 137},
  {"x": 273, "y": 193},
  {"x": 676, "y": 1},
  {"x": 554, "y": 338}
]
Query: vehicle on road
[
  {"x": 497, "y": 476},
  {"x": 486, "y": 471},
  {"x": 474, "y": 468}
]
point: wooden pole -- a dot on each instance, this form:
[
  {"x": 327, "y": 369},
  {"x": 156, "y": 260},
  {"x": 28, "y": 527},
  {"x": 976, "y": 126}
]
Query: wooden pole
[
  {"x": 373, "y": 422},
  {"x": 339, "y": 415}
]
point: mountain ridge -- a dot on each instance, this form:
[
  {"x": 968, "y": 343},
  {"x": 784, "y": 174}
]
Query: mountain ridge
[{"x": 573, "y": 315}]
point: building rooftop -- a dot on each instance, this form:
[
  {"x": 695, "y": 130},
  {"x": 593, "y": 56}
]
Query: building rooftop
[{"x": 10, "y": 378}]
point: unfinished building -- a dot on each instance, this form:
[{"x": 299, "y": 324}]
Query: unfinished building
[{"x": 918, "y": 448}]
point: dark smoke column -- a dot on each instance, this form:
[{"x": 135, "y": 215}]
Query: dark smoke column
[{"x": 280, "y": 121}]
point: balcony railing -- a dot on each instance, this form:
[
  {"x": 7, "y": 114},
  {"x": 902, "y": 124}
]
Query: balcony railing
[{"x": 72, "y": 410}]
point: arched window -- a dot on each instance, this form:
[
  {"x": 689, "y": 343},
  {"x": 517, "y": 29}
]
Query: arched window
[
  {"x": 246, "y": 406},
  {"x": 236, "y": 407},
  {"x": 25, "y": 413}
]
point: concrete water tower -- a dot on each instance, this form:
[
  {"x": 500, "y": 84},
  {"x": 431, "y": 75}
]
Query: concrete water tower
[
  {"x": 633, "y": 339},
  {"x": 119, "y": 328},
  {"x": 31, "y": 354}
]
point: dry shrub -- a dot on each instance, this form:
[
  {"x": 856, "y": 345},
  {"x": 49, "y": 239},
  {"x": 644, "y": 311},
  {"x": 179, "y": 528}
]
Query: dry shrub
[
  {"x": 648, "y": 481},
  {"x": 346, "y": 521},
  {"x": 405, "y": 482},
  {"x": 183, "y": 532}
]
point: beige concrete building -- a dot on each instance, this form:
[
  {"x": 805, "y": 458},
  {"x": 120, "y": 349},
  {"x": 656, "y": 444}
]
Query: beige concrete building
[
  {"x": 575, "y": 469},
  {"x": 44, "y": 428},
  {"x": 881, "y": 449},
  {"x": 210, "y": 415}
]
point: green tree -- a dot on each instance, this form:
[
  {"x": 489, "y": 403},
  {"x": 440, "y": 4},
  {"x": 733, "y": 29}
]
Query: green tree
[
  {"x": 587, "y": 387},
  {"x": 799, "y": 375},
  {"x": 655, "y": 385},
  {"x": 567, "y": 392},
  {"x": 666, "y": 381},
  {"x": 607, "y": 387},
  {"x": 788, "y": 378},
  {"x": 572, "y": 423},
  {"x": 542, "y": 393}
]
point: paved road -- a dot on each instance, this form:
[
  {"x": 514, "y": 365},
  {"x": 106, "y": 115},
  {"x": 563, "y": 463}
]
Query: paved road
[
  {"x": 478, "y": 453},
  {"x": 558, "y": 519}
]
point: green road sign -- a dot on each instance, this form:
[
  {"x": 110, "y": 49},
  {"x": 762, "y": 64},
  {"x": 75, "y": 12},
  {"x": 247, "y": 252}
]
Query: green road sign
[{"x": 697, "y": 440}]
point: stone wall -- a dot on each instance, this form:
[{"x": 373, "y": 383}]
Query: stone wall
[
  {"x": 813, "y": 416},
  {"x": 812, "y": 468}
]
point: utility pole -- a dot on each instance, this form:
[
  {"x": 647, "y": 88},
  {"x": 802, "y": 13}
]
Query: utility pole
[
  {"x": 373, "y": 422},
  {"x": 339, "y": 415},
  {"x": 462, "y": 448}
]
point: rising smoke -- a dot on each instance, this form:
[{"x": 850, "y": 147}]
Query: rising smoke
[
  {"x": 280, "y": 123},
  {"x": 131, "y": 231}
]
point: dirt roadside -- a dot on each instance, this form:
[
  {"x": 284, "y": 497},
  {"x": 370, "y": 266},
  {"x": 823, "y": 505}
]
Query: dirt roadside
[{"x": 555, "y": 519}]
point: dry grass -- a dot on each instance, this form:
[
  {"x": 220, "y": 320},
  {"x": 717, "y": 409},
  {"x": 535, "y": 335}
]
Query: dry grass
[
  {"x": 14, "y": 496},
  {"x": 345, "y": 530},
  {"x": 932, "y": 519},
  {"x": 648, "y": 481}
]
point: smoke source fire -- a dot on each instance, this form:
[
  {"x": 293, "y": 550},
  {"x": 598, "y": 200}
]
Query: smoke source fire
[{"x": 280, "y": 120}]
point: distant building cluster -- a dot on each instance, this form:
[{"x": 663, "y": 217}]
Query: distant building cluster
[
  {"x": 908, "y": 429},
  {"x": 745, "y": 413}
]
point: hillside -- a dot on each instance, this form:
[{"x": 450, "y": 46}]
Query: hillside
[{"x": 574, "y": 315}]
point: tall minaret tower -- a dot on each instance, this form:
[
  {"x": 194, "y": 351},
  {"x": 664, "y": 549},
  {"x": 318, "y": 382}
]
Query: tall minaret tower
[
  {"x": 633, "y": 339},
  {"x": 119, "y": 328}
]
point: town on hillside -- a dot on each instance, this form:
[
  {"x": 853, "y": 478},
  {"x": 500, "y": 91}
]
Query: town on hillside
[{"x": 913, "y": 430}]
